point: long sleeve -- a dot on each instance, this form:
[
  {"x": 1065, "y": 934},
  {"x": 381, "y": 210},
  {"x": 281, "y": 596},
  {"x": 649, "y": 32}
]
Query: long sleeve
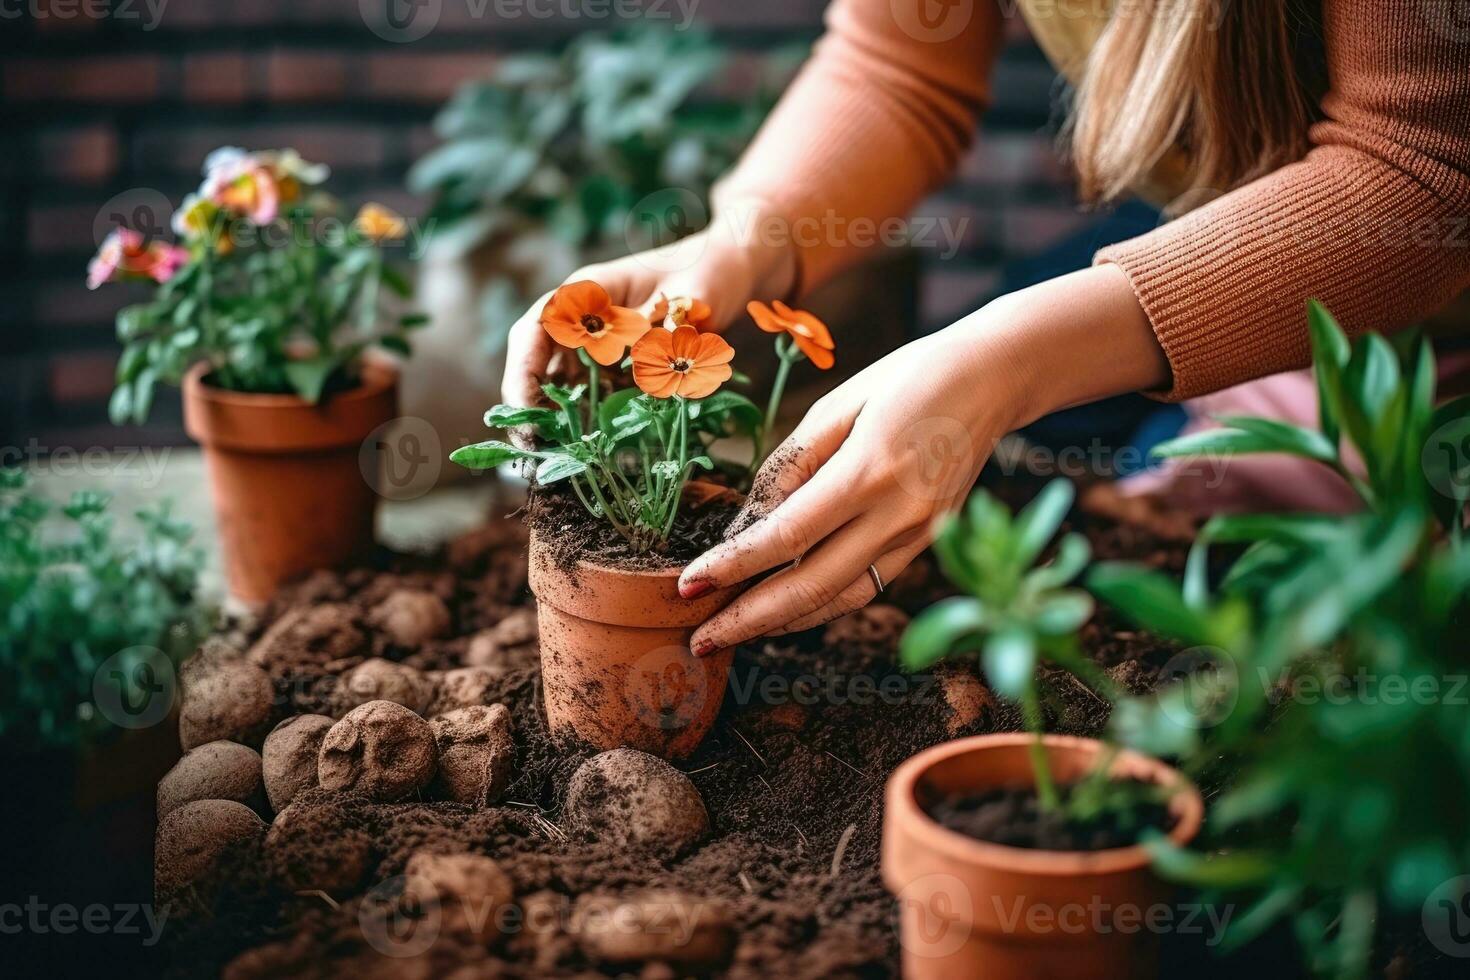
[
  {"x": 880, "y": 115},
  {"x": 1374, "y": 220}
]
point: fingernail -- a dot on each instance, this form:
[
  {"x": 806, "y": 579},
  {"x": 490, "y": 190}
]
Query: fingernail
[
  {"x": 694, "y": 588},
  {"x": 702, "y": 648}
]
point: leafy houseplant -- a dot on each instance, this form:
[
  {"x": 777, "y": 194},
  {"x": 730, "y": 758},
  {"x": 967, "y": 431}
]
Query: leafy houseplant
[
  {"x": 1337, "y": 643},
  {"x": 584, "y": 154},
  {"x": 627, "y": 457},
  {"x": 266, "y": 313},
  {"x": 75, "y": 599}
]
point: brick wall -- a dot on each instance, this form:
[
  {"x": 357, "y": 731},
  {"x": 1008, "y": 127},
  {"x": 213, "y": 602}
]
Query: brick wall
[{"x": 107, "y": 97}]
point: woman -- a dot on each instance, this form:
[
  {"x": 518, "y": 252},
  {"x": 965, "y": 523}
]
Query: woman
[{"x": 1321, "y": 135}]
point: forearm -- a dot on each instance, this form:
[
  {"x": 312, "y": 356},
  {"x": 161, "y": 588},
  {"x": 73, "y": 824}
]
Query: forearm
[{"x": 1067, "y": 341}]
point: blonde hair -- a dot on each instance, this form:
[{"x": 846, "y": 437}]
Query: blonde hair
[{"x": 1217, "y": 80}]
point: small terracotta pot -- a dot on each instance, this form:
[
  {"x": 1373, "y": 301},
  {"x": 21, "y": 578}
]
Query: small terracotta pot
[
  {"x": 970, "y": 908},
  {"x": 290, "y": 481},
  {"x": 615, "y": 662}
]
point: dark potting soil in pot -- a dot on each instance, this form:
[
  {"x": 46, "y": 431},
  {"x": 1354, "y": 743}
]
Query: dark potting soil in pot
[
  {"x": 573, "y": 535},
  {"x": 792, "y": 776},
  {"x": 1013, "y": 816}
]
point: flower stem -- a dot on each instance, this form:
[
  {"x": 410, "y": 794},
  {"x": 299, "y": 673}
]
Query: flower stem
[
  {"x": 594, "y": 389},
  {"x": 773, "y": 405},
  {"x": 1046, "y": 789}
]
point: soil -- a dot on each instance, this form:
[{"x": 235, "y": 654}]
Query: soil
[
  {"x": 575, "y": 535},
  {"x": 1013, "y": 816},
  {"x": 785, "y": 879}
]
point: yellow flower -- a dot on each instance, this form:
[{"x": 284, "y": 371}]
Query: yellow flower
[{"x": 379, "y": 224}]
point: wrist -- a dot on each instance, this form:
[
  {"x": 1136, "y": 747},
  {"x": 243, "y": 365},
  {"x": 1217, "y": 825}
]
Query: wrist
[{"x": 742, "y": 231}]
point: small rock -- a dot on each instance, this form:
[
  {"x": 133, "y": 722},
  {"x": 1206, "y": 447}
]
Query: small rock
[
  {"x": 672, "y": 926},
  {"x": 874, "y": 629},
  {"x": 633, "y": 799},
  {"x": 380, "y": 749},
  {"x": 966, "y": 699},
  {"x": 224, "y": 700},
  {"x": 517, "y": 628},
  {"x": 411, "y": 617},
  {"x": 462, "y": 687},
  {"x": 193, "y": 837},
  {"x": 213, "y": 771},
  {"x": 539, "y": 938},
  {"x": 475, "y": 753},
  {"x": 316, "y": 847},
  {"x": 289, "y": 757},
  {"x": 383, "y": 680},
  {"x": 468, "y": 889},
  {"x": 310, "y": 635}
]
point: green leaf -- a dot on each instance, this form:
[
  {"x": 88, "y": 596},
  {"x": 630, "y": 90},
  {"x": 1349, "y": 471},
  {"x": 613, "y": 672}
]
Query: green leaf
[
  {"x": 940, "y": 630},
  {"x": 567, "y": 398},
  {"x": 309, "y": 377},
  {"x": 120, "y": 405},
  {"x": 726, "y": 413},
  {"x": 1371, "y": 381},
  {"x": 143, "y": 389},
  {"x": 133, "y": 359},
  {"x": 1291, "y": 439},
  {"x": 413, "y": 321},
  {"x": 559, "y": 467},
  {"x": 1330, "y": 354},
  {"x": 1038, "y": 521},
  {"x": 1238, "y": 869},
  {"x": 613, "y": 406},
  {"x": 1217, "y": 442},
  {"x": 396, "y": 344},
  {"x": 1151, "y": 599},
  {"x": 511, "y": 416},
  {"x": 487, "y": 455},
  {"x": 1063, "y": 613},
  {"x": 1010, "y": 662}
]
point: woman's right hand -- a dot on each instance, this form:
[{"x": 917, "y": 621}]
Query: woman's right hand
[{"x": 709, "y": 266}]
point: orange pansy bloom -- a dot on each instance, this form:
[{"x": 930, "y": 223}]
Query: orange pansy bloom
[
  {"x": 681, "y": 362},
  {"x": 687, "y": 310},
  {"x": 580, "y": 315},
  {"x": 810, "y": 335}
]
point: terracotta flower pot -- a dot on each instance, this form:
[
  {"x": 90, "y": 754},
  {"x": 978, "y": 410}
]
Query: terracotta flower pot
[
  {"x": 970, "y": 908},
  {"x": 290, "y": 489},
  {"x": 615, "y": 663}
]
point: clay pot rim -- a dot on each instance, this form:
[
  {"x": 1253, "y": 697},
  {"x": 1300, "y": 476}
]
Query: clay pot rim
[
  {"x": 1187, "y": 804},
  {"x": 376, "y": 376}
]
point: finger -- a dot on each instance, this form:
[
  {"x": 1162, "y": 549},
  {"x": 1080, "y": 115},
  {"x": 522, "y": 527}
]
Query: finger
[
  {"x": 795, "y": 592},
  {"x": 862, "y": 591},
  {"x": 800, "y": 496},
  {"x": 528, "y": 350}
]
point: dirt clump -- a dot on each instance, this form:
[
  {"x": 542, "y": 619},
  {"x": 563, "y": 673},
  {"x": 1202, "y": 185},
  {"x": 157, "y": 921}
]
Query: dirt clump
[
  {"x": 213, "y": 771},
  {"x": 223, "y": 699},
  {"x": 289, "y": 757},
  {"x": 315, "y": 846},
  {"x": 193, "y": 838},
  {"x": 476, "y": 752},
  {"x": 380, "y": 749},
  {"x": 411, "y": 617},
  {"x": 383, "y": 680},
  {"x": 632, "y": 799},
  {"x": 469, "y": 891}
]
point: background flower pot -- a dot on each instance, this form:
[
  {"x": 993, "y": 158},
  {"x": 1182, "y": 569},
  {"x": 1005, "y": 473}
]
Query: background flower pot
[
  {"x": 290, "y": 485},
  {"x": 615, "y": 657},
  {"x": 972, "y": 908}
]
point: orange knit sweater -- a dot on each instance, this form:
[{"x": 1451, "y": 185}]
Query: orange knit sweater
[{"x": 1374, "y": 220}]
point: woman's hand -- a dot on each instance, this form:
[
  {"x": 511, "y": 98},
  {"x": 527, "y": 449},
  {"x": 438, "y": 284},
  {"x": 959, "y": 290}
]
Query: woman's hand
[
  {"x": 711, "y": 265},
  {"x": 863, "y": 479}
]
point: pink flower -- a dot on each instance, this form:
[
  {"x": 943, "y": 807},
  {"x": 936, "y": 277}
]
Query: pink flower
[
  {"x": 125, "y": 255},
  {"x": 242, "y": 185}
]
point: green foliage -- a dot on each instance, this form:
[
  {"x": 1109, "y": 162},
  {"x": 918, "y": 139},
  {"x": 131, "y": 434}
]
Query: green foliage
[
  {"x": 74, "y": 598},
  {"x": 1016, "y": 612},
  {"x": 1341, "y": 661},
  {"x": 627, "y": 459},
  {"x": 590, "y": 153}
]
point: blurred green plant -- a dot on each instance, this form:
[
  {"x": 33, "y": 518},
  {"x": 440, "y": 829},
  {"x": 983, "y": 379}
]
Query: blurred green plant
[
  {"x": 76, "y": 597},
  {"x": 1334, "y": 700},
  {"x": 1017, "y": 614},
  {"x": 591, "y": 153}
]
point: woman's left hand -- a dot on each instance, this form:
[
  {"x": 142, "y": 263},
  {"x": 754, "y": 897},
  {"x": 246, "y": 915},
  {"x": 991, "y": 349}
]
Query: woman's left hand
[{"x": 860, "y": 484}]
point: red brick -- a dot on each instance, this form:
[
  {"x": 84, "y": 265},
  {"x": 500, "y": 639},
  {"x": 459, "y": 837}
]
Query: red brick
[
  {"x": 132, "y": 78},
  {"x": 342, "y": 145},
  {"x": 59, "y": 16},
  {"x": 305, "y": 76},
  {"x": 426, "y": 77},
  {"x": 65, "y": 228},
  {"x": 84, "y": 376},
  {"x": 218, "y": 77},
  {"x": 69, "y": 303},
  {"x": 80, "y": 154}
]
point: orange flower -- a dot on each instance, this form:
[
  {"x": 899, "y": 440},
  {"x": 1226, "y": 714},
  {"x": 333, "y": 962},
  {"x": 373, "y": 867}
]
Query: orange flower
[
  {"x": 580, "y": 315},
  {"x": 810, "y": 335},
  {"x": 681, "y": 362},
  {"x": 687, "y": 310}
]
